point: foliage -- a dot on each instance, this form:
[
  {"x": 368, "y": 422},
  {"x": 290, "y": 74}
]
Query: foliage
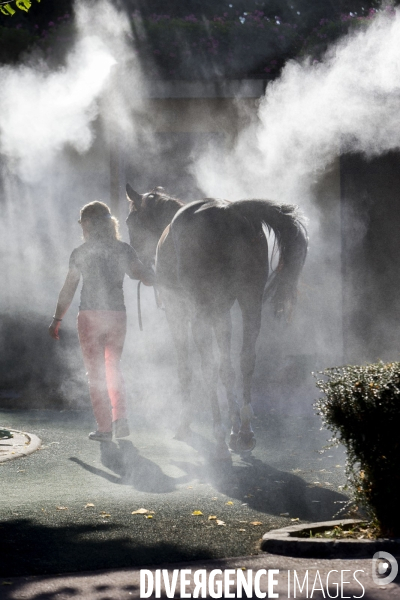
[
  {"x": 361, "y": 406},
  {"x": 216, "y": 40},
  {"x": 51, "y": 39},
  {"x": 357, "y": 531},
  {"x": 7, "y": 8}
]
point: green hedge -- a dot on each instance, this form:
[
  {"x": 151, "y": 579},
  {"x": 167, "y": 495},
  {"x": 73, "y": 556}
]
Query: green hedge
[{"x": 361, "y": 406}]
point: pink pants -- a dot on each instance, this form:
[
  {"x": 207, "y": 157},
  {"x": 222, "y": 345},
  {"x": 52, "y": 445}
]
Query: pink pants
[{"x": 102, "y": 335}]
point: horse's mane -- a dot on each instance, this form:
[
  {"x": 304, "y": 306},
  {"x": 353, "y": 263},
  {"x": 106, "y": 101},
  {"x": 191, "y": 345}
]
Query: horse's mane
[{"x": 163, "y": 206}]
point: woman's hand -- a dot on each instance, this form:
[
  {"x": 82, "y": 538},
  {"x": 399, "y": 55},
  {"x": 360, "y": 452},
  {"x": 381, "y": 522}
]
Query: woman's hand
[
  {"x": 64, "y": 300},
  {"x": 53, "y": 329}
]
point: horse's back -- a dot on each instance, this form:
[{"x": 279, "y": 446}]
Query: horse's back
[{"x": 218, "y": 251}]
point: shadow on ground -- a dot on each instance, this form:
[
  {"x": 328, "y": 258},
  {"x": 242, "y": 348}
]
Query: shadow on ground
[
  {"x": 255, "y": 483},
  {"x": 30, "y": 548},
  {"x": 131, "y": 468}
]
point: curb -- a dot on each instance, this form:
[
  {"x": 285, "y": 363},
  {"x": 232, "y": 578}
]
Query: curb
[
  {"x": 21, "y": 444},
  {"x": 285, "y": 542}
]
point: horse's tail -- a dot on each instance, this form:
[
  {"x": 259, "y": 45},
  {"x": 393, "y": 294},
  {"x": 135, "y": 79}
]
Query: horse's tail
[{"x": 291, "y": 242}]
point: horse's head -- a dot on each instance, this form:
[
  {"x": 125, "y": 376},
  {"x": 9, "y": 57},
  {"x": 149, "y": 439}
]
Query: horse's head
[
  {"x": 146, "y": 221},
  {"x": 149, "y": 215}
]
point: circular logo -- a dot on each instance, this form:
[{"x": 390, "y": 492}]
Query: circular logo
[{"x": 384, "y": 568}]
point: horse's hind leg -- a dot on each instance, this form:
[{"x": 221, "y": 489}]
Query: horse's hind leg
[
  {"x": 202, "y": 333},
  {"x": 223, "y": 333},
  {"x": 251, "y": 305},
  {"x": 178, "y": 320}
]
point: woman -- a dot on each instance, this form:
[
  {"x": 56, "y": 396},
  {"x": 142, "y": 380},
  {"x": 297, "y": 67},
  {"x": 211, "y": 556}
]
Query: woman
[{"x": 102, "y": 261}]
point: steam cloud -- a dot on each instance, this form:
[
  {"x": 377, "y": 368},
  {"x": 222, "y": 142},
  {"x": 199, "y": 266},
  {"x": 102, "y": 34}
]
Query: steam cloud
[
  {"x": 348, "y": 101},
  {"x": 44, "y": 111}
]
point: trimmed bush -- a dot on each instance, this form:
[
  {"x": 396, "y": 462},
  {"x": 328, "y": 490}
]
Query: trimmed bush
[{"x": 361, "y": 406}]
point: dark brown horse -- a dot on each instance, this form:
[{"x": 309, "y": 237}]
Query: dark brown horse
[{"x": 210, "y": 253}]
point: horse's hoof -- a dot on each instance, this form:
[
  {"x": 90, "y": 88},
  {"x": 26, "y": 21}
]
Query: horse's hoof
[
  {"x": 246, "y": 442},
  {"x": 233, "y": 442}
]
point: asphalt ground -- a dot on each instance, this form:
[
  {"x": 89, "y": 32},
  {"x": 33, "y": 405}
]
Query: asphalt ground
[
  {"x": 68, "y": 506},
  {"x": 294, "y": 577}
]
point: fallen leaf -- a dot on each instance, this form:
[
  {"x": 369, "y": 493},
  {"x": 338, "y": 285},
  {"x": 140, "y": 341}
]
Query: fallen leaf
[
  {"x": 214, "y": 498},
  {"x": 189, "y": 487},
  {"x": 104, "y": 514},
  {"x": 197, "y": 513},
  {"x": 148, "y": 516},
  {"x": 140, "y": 511},
  {"x": 62, "y": 507},
  {"x": 255, "y": 523},
  {"x": 229, "y": 503},
  {"x": 212, "y": 517},
  {"x": 296, "y": 519},
  {"x": 241, "y": 530},
  {"x": 221, "y": 523},
  {"x": 338, "y": 466},
  {"x": 89, "y": 505}
]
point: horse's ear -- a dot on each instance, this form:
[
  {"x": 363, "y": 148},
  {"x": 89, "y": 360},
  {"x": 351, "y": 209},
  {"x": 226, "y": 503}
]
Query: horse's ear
[{"x": 133, "y": 197}]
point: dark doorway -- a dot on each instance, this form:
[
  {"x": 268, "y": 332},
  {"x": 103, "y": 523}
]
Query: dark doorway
[{"x": 371, "y": 257}]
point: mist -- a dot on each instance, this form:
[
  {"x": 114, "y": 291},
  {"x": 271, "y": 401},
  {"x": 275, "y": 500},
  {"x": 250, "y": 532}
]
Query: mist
[
  {"x": 58, "y": 128},
  {"x": 346, "y": 102}
]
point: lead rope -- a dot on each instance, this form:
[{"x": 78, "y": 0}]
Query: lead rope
[
  {"x": 138, "y": 307},
  {"x": 157, "y": 299}
]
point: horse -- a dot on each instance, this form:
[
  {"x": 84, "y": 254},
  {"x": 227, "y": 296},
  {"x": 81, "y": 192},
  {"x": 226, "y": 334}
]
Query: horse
[{"x": 207, "y": 255}]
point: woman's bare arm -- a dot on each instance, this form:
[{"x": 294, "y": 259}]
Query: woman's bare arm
[
  {"x": 65, "y": 298},
  {"x": 137, "y": 270}
]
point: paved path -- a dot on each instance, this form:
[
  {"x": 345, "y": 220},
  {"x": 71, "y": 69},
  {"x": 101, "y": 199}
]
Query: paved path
[
  {"x": 71, "y": 506},
  {"x": 296, "y": 578}
]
